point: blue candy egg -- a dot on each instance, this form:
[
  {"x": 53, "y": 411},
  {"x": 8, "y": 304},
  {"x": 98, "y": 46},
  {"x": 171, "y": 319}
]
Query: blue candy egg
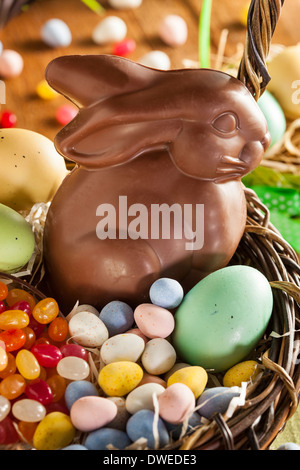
[
  {"x": 175, "y": 429},
  {"x": 166, "y": 293},
  {"x": 78, "y": 389},
  {"x": 101, "y": 438},
  {"x": 74, "y": 447},
  {"x": 215, "y": 400},
  {"x": 117, "y": 317},
  {"x": 140, "y": 425},
  {"x": 56, "y": 33},
  {"x": 289, "y": 446}
]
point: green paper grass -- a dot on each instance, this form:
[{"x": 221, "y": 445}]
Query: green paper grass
[{"x": 204, "y": 34}]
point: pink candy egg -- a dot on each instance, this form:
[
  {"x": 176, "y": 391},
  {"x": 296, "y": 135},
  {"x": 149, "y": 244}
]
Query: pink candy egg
[
  {"x": 173, "y": 30},
  {"x": 90, "y": 413},
  {"x": 65, "y": 114},
  {"x": 154, "y": 321},
  {"x": 176, "y": 403},
  {"x": 11, "y": 64}
]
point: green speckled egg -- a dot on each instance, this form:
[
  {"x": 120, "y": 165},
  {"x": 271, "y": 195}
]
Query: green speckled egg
[
  {"x": 274, "y": 116},
  {"x": 223, "y": 317},
  {"x": 16, "y": 240}
]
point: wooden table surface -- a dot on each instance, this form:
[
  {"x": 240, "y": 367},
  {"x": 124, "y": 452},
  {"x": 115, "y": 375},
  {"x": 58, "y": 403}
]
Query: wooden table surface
[{"x": 23, "y": 35}]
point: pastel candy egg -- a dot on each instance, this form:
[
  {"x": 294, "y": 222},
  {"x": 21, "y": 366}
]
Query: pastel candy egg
[
  {"x": 148, "y": 378},
  {"x": 119, "y": 422},
  {"x": 90, "y": 413},
  {"x": 54, "y": 432},
  {"x": 65, "y": 114},
  {"x": 110, "y": 29},
  {"x": 156, "y": 60},
  {"x": 119, "y": 378},
  {"x": 142, "y": 397},
  {"x": 11, "y": 64},
  {"x": 88, "y": 330},
  {"x": 124, "y": 347},
  {"x": 245, "y": 371},
  {"x": 289, "y": 446},
  {"x": 274, "y": 116},
  {"x": 154, "y": 321},
  {"x": 223, "y": 317},
  {"x": 179, "y": 430},
  {"x": 56, "y": 33},
  {"x": 120, "y": 4},
  {"x": 176, "y": 403},
  {"x": 158, "y": 356},
  {"x": 194, "y": 377},
  {"x": 215, "y": 400},
  {"x": 117, "y": 316},
  {"x": 140, "y": 425},
  {"x": 101, "y": 439},
  {"x": 74, "y": 447},
  {"x": 17, "y": 240},
  {"x": 73, "y": 368},
  {"x": 79, "y": 389},
  {"x": 167, "y": 293},
  {"x": 173, "y": 30}
]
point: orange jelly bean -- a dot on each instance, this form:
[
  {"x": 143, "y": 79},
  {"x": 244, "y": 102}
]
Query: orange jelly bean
[
  {"x": 45, "y": 311},
  {"x": 12, "y": 319},
  {"x": 12, "y": 386},
  {"x": 27, "y": 430},
  {"x": 19, "y": 295},
  {"x": 13, "y": 339},
  {"x": 58, "y": 386},
  {"x": 58, "y": 329},
  {"x": 30, "y": 337},
  {"x": 10, "y": 368},
  {"x": 3, "y": 290}
]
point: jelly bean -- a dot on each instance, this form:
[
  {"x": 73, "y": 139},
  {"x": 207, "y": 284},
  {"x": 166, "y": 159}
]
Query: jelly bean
[
  {"x": 58, "y": 329},
  {"x": 158, "y": 357},
  {"x": 27, "y": 364},
  {"x": 79, "y": 389},
  {"x": 57, "y": 406},
  {"x": 195, "y": 377},
  {"x": 242, "y": 372},
  {"x": 11, "y": 64},
  {"x": 47, "y": 355},
  {"x": 30, "y": 337},
  {"x": 27, "y": 430},
  {"x": 70, "y": 349},
  {"x": 73, "y": 368},
  {"x": 111, "y": 29},
  {"x": 45, "y": 310},
  {"x": 13, "y": 339},
  {"x": 90, "y": 413},
  {"x": 28, "y": 410},
  {"x": 124, "y": 347},
  {"x": 215, "y": 400},
  {"x": 156, "y": 59},
  {"x": 176, "y": 403},
  {"x": 10, "y": 368},
  {"x": 45, "y": 91},
  {"x": 58, "y": 386},
  {"x": 87, "y": 329},
  {"x": 141, "y": 398},
  {"x": 13, "y": 319},
  {"x": 2, "y": 306},
  {"x": 40, "y": 391},
  {"x": 22, "y": 305},
  {"x": 141, "y": 424},
  {"x": 65, "y": 114},
  {"x": 54, "y": 432},
  {"x": 8, "y": 119},
  {"x": 3, "y": 290},
  {"x": 173, "y": 30},
  {"x": 119, "y": 422},
  {"x": 18, "y": 295},
  {"x": 37, "y": 327},
  {"x": 167, "y": 293},
  {"x": 119, "y": 378},
  {"x": 12, "y": 386},
  {"x": 154, "y": 321},
  {"x": 117, "y": 316},
  {"x": 124, "y": 48},
  {"x": 101, "y": 438},
  {"x": 56, "y": 33},
  {"x": 5, "y": 407},
  {"x": 8, "y": 433},
  {"x": 3, "y": 359}
]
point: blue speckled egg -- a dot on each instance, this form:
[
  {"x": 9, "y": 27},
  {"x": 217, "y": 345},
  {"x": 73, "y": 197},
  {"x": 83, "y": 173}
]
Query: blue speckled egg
[
  {"x": 117, "y": 317},
  {"x": 79, "y": 389},
  {"x": 215, "y": 400},
  {"x": 141, "y": 425},
  {"x": 74, "y": 447},
  {"x": 175, "y": 429},
  {"x": 166, "y": 293},
  {"x": 56, "y": 33},
  {"x": 101, "y": 438}
]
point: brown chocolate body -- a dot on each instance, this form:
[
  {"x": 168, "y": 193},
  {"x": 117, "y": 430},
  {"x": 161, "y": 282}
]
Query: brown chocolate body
[{"x": 156, "y": 137}]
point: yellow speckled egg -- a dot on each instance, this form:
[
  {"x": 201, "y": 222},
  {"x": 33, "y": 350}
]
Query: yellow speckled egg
[
  {"x": 241, "y": 372},
  {"x": 31, "y": 168},
  {"x": 119, "y": 378},
  {"x": 195, "y": 377},
  {"x": 54, "y": 432}
]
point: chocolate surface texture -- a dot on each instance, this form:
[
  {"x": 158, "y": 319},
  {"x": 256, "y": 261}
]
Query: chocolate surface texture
[{"x": 183, "y": 137}]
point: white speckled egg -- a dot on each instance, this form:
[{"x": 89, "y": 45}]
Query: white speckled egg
[
  {"x": 110, "y": 29},
  {"x": 87, "y": 329},
  {"x": 123, "y": 347},
  {"x": 141, "y": 398},
  {"x": 158, "y": 356}
]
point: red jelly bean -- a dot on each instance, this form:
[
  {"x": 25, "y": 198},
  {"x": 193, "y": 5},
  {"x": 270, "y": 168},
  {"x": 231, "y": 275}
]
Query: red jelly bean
[
  {"x": 13, "y": 339},
  {"x": 22, "y": 305},
  {"x": 37, "y": 327},
  {"x": 74, "y": 350},
  {"x": 8, "y": 433},
  {"x": 8, "y": 119},
  {"x": 2, "y": 306},
  {"x": 57, "y": 407},
  {"x": 47, "y": 355},
  {"x": 40, "y": 391},
  {"x": 124, "y": 48}
]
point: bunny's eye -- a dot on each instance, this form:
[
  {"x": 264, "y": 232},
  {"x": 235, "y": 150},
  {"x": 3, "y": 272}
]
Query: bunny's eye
[{"x": 226, "y": 123}]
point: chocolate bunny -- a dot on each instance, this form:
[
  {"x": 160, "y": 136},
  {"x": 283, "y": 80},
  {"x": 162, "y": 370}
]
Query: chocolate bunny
[{"x": 179, "y": 138}]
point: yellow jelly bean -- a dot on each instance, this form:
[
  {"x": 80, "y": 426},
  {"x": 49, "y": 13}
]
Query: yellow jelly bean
[
  {"x": 44, "y": 91},
  {"x": 54, "y": 432},
  {"x": 119, "y": 378},
  {"x": 195, "y": 377},
  {"x": 3, "y": 359},
  {"x": 13, "y": 319},
  {"x": 244, "y": 14},
  {"x": 241, "y": 372},
  {"x": 45, "y": 311},
  {"x": 27, "y": 365}
]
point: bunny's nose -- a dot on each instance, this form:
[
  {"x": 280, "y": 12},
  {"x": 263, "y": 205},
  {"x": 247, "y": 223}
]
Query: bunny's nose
[{"x": 265, "y": 142}]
